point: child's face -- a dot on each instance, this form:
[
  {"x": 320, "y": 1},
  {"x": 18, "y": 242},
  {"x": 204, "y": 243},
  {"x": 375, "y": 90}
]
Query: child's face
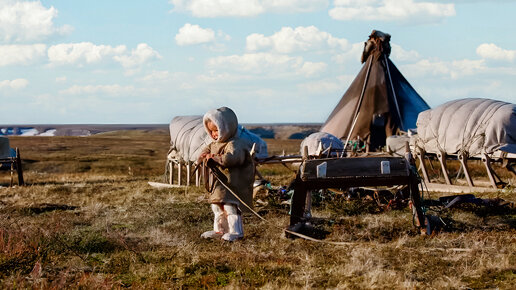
[{"x": 214, "y": 131}]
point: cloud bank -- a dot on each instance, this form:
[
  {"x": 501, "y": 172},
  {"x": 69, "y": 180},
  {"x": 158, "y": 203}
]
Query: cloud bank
[
  {"x": 23, "y": 21},
  {"x": 391, "y": 10},
  {"x": 245, "y": 8},
  {"x": 298, "y": 39}
]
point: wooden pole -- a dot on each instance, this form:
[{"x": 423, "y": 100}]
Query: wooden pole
[
  {"x": 179, "y": 171},
  {"x": 463, "y": 158},
  {"x": 420, "y": 152},
  {"x": 19, "y": 168},
  {"x": 442, "y": 159},
  {"x": 170, "y": 171}
]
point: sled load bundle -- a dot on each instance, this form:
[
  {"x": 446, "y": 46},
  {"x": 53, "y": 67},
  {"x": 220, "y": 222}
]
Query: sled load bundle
[
  {"x": 468, "y": 126},
  {"x": 468, "y": 129},
  {"x": 322, "y": 144},
  {"x": 188, "y": 137}
]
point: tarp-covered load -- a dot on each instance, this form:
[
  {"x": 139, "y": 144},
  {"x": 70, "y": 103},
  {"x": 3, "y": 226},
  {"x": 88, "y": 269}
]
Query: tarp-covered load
[
  {"x": 378, "y": 102},
  {"x": 324, "y": 140},
  {"x": 188, "y": 137},
  {"x": 470, "y": 126}
]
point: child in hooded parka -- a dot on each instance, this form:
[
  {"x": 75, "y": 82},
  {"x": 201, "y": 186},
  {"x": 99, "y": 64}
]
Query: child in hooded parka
[{"x": 233, "y": 158}]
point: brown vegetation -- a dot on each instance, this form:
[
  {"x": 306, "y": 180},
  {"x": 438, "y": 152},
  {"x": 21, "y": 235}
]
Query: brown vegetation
[{"x": 88, "y": 219}]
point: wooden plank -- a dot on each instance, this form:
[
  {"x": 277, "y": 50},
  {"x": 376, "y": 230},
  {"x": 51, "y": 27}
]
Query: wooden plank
[
  {"x": 346, "y": 168},
  {"x": 164, "y": 185},
  {"x": 445, "y": 188}
]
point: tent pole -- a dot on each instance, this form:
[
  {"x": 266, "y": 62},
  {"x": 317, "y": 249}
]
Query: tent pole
[
  {"x": 357, "y": 111},
  {"x": 393, "y": 93}
]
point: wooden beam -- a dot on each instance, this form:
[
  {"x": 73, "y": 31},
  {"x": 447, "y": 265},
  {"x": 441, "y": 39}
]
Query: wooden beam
[
  {"x": 442, "y": 160},
  {"x": 420, "y": 152},
  {"x": 463, "y": 158}
]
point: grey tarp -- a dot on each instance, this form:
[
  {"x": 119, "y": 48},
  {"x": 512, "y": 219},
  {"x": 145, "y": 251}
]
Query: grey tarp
[
  {"x": 188, "y": 137},
  {"x": 469, "y": 126},
  {"x": 327, "y": 140}
]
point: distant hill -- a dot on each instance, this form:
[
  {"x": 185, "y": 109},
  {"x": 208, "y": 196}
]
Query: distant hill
[{"x": 267, "y": 131}]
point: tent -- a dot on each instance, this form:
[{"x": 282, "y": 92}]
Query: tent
[{"x": 379, "y": 101}]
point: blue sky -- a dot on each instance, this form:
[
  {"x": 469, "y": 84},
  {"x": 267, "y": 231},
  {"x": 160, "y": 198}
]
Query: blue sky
[{"x": 119, "y": 61}]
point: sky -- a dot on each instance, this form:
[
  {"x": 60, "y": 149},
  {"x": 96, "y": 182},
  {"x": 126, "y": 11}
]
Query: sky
[{"x": 271, "y": 61}]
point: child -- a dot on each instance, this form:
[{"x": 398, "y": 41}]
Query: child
[{"x": 232, "y": 156}]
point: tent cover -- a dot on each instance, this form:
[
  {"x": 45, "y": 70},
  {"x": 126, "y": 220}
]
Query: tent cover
[
  {"x": 470, "y": 126},
  {"x": 188, "y": 137},
  {"x": 379, "y": 101}
]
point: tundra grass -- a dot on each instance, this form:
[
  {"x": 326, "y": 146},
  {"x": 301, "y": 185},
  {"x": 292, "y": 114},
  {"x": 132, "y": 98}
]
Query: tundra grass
[{"x": 86, "y": 221}]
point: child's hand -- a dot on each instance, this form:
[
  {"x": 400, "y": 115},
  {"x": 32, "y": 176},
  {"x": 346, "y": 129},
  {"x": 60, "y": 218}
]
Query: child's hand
[
  {"x": 216, "y": 157},
  {"x": 206, "y": 156},
  {"x": 210, "y": 155},
  {"x": 202, "y": 157}
]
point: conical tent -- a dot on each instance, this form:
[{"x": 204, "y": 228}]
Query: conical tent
[{"x": 379, "y": 101}]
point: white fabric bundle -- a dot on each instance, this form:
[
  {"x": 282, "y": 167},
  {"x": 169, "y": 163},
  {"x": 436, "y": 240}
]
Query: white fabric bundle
[
  {"x": 470, "y": 126},
  {"x": 188, "y": 137},
  {"x": 327, "y": 140}
]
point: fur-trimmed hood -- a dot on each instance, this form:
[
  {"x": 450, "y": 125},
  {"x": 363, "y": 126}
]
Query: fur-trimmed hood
[{"x": 225, "y": 120}]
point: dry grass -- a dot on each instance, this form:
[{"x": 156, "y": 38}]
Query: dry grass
[{"x": 88, "y": 219}]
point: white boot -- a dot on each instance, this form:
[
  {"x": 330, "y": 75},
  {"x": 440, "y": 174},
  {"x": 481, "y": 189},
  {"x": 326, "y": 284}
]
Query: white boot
[
  {"x": 220, "y": 223},
  {"x": 236, "y": 228}
]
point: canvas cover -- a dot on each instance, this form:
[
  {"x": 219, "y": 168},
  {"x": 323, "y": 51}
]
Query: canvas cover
[
  {"x": 188, "y": 137},
  {"x": 471, "y": 126},
  {"x": 327, "y": 140},
  {"x": 379, "y": 98}
]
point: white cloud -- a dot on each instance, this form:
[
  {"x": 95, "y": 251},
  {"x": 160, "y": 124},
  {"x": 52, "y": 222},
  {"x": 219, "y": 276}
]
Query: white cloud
[
  {"x": 245, "y": 8},
  {"x": 81, "y": 53},
  {"x": 194, "y": 34},
  {"x": 391, "y": 10},
  {"x": 88, "y": 53},
  {"x": 399, "y": 54},
  {"x": 19, "y": 54},
  {"x": 353, "y": 54},
  {"x": 312, "y": 68},
  {"x": 255, "y": 62},
  {"x": 157, "y": 76},
  {"x": 289, "y": 40},
  {"x": 112, "y": 90},
  {"x": 61, "y": 79},
  {"x": 14, "y": 84},
  {"x": 138, "y": 56},
  {"x": 267, "y": 64},
  {"x": 454, "y": 69},
  {"x": 492, "y": 51},
  {"x": 23, "y": 21},
  {"x": 321, "y": 87}
]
